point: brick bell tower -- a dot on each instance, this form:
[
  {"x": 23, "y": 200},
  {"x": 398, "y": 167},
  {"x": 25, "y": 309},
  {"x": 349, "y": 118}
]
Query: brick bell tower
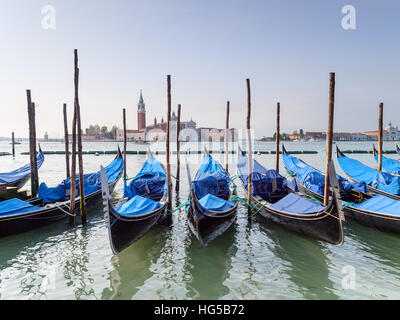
[{"x": 141, "y": 113}]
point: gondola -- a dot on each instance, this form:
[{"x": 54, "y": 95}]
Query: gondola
[
  {"x": 397, "y": 149},
  {"x": 210, "y": 211},
  {"x": 17, "y": 178},
  {"x": 276, "y": 200},
  {"x": 377, "y": 182},
  {"x": 144, "y": 205},
  {"x": 391, "y": 166},
  {"x": 52, "y": 204},
  {"x": 311, "y": 181}
]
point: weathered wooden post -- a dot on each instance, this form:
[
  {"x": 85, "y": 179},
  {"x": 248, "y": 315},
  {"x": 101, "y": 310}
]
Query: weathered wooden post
[
  {"x": 329, "y": 134},
  {"x": 249, "y": 149},
  {"x": 167, "y": 151},
  {"x": 73, "y": 173},
  {"x": 13, "y": 144},
  {"x": 32, "y": 145},
  {"x": 278, "y": 113},
  {"x": 380, "y": 136},
  {"x": 178, "y": 149},
  {"x": 227, "y": 137},
  {"x": 124, "y": 123},
  {"x": 79, "y": 131},
  {"x": 66, "y": 141}
]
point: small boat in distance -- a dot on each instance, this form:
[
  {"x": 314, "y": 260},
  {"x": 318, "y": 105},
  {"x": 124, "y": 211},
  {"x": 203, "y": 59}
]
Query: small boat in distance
[
  {"x": 142, "y": 207},
  {"x": 210, "y": 211},
  {"x": 18, "y": 178}
]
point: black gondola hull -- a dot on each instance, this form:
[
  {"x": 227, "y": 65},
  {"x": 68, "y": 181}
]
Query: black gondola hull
[
  {"x": 374, "y": 220},
  {"x": 33, "y": 220},
  {"x": 125, "y": 230},
  {"x": 325, "y": 225},
  {"x": 205, "y": 227}
]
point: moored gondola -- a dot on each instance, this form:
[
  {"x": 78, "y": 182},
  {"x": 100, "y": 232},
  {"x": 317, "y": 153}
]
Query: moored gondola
[
  {"x": 53, "y": 204},
  {"x": 276, "y": 201},
  {"x": 377, "y": 182},
  {"x": 142, "y": 207},
  {"x": 391, "y": 166},
  {"x": 17, "y": 178},
  {"x": 210, "y": 211},
  {"x": 311, "y": 181},
  {"x": 397, "y": 149}
]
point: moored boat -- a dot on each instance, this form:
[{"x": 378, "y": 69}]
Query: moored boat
[
  {"x": 144, "y": 205},
  {"x": 17, "y": 178},
  {"x": 210, "y": 211},
  {"x": 276, "y": 200},
  {"x": 53, "y": 204}
]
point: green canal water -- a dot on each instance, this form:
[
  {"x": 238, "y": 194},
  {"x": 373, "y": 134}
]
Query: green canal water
[{"x": 257, "y": 260}]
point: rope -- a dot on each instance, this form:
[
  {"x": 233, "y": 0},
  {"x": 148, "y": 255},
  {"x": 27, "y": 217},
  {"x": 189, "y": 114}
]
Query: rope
[
  {"x": 72, "y": 215},
  {"x": 234, "y": 177},
  {"x": 179, "y": 207},
  {"x": 114, "y": 221},
  {"x": 346, "y": 204}
]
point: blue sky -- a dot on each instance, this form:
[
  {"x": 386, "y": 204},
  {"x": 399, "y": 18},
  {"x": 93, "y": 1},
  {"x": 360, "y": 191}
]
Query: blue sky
[{"x": 286, "y": 47}]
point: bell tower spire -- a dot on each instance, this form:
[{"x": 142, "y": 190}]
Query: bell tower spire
[{"x": 141, "y": 113}]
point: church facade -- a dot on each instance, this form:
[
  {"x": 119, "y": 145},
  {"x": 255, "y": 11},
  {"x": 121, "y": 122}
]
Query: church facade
[{"x": 156, "y": 131}]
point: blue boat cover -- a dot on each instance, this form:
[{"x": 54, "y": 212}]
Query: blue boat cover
[
  {"x": 211, "y": 202},
  {"x": 376, "y": 179},
  {"x": 16, "y": 206},
  {"x": 294, "y": 203},
  {"x": 266, "y": 183},
  {"x": 390, "y": 165},
  {"x": 211, "y": 178},
  {"x": 137, "y": 205},
  {"x": 380, "y": 204},
  {"x": 151, "y": 181},
  {"x": 9, "y": 177},
  {"x": 92, "y": 183},
  {"x": 314, "y": 179}
]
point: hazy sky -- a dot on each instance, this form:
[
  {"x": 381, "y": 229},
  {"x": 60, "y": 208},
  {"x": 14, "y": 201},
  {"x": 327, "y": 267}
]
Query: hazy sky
[{"x": 287, "y": 49}]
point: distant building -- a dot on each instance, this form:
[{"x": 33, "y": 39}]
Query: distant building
[
  {"x": 391, "y": 133},
  {"x": 156, "y": 131},
  {"x": 46, "y": 137}
]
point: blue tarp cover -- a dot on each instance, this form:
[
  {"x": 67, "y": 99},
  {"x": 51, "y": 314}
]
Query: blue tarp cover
[
  {"x": 376, "y": 179},
  {"x": 211, "y": 179},
  {"x": 15, "y": 206},
  {"x": 9, "y": 177},
  {"x": 137, "y": 205},
  {"x": 211, "y": 202},
  {"x": 92, "y": 183},
  {"x": 265, "y": 182},
  {"x": 314, "y": 179},
  {"x": 294, "y": 203},
  {"x": 390, "y": 165},
  {"x": 381, "y": 204},
  {"x": 150, "y": 181}
]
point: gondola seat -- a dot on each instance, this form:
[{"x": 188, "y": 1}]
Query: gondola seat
[
  {"x": 380, "y": 204},
  {"x": 294, "y": 203},
  {"x": 16, "y": 206},
  {"x": 137, "y": 205}
]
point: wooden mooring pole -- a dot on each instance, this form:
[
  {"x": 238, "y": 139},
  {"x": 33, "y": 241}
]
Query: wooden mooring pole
[
  {"x": 124, "y": 124},
  {"x": 66, "y": 141},
  {"x": 278, "y": 114},
  {"x": 227, "y": 136},
  {"x": 249, "y": 149},
  {"x": 178, "y": 150},
  {"x": 380, "y": 136},
  {"x": 329, "y": 134},
  {"x": 79, "y": 131},
  {"x": 73, "y": 173},
  {"x": 32, "y": 145},
  {"x": 167, "y": 150},
  {"x": 13, "y": 144}
]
